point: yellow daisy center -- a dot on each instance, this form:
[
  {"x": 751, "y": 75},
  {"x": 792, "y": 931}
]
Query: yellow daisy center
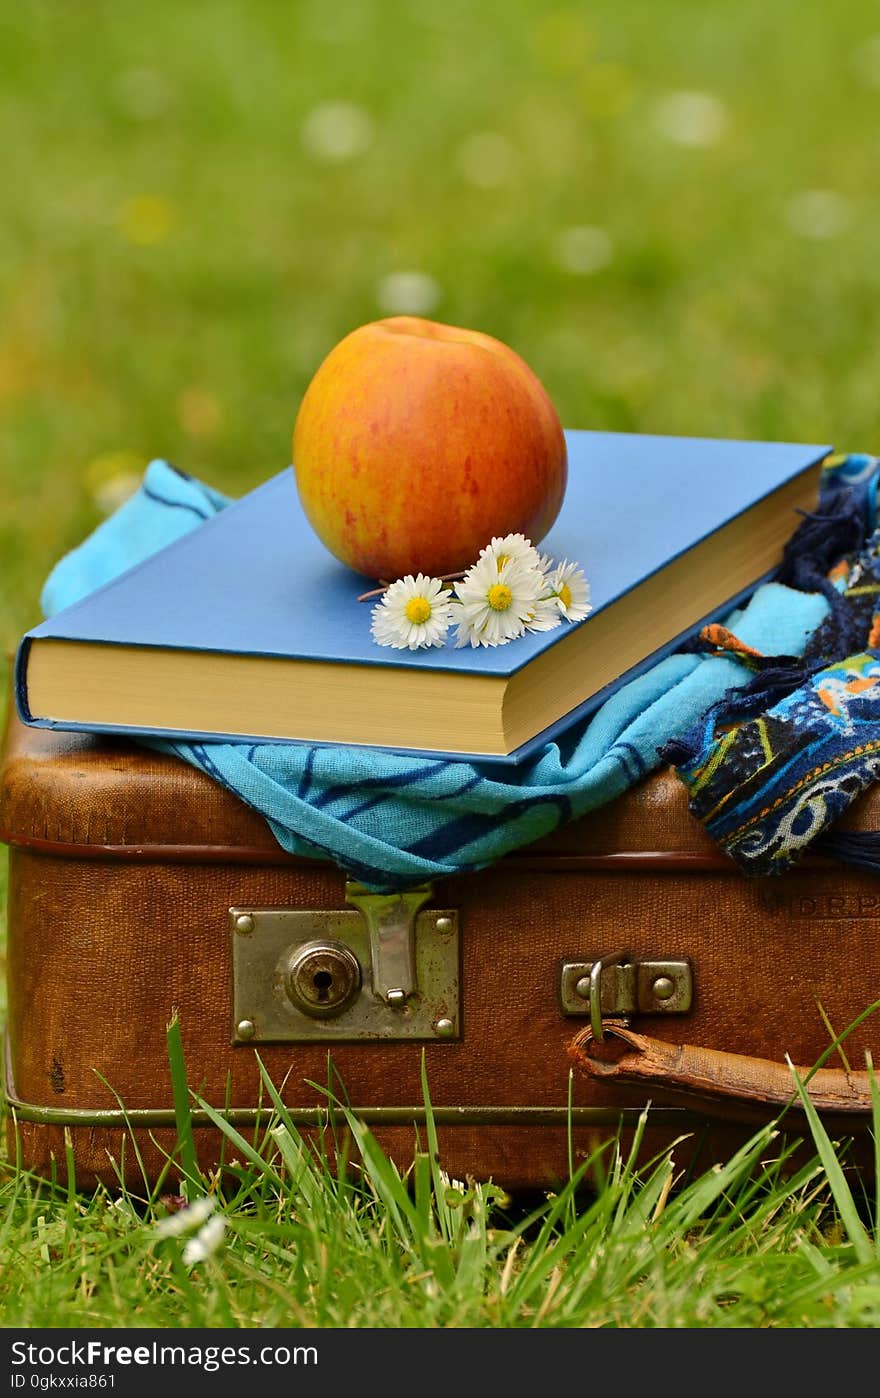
[
  {"x": 499, "y": 597},
  {"x": 417, "y": 610},
  {"x": 564, "y": 595}
]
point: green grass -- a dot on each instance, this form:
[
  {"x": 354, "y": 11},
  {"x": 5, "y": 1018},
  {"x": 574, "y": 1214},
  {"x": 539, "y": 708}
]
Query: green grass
[
  {"x": 175, "y": 260},
  {"x": 303, "y": 1236}
]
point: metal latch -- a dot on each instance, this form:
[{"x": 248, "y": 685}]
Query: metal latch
[
  {"x": 391, "y": 920},
  {"x": 619, "y": 985},
  {"x": 385, "y": 969}
]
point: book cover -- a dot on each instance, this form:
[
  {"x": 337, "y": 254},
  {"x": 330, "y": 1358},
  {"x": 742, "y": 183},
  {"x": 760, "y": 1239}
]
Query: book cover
[{"x": 256, "y": 581}]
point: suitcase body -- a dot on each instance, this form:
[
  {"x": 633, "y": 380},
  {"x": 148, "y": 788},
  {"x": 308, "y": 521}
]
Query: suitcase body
[{"x": 140, "y": 889}]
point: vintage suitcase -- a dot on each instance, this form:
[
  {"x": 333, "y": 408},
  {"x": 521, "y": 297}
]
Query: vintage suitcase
[{"x": 139, "y": 888}]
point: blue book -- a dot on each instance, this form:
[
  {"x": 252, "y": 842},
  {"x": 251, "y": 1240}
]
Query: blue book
[{"x": 247, "y": 628}]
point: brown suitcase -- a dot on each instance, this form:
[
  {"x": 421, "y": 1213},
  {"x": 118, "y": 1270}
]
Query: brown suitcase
[{"x": 138, "y": 888}]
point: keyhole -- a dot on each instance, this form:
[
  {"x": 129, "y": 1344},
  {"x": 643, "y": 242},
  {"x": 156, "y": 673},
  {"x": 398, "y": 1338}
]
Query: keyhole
[
  {"x": 322, "y": 981},
  {"x": 322, "y": 978}
]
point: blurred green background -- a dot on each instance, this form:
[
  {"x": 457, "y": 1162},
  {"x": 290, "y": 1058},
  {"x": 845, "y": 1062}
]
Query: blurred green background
[{"x": 668, "y": 209}]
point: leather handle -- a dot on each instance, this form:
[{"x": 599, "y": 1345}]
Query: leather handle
[{"x": 712, "y": 1073}]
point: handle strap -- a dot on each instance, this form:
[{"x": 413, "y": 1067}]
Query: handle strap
[{"x": 712, "y": 1073}]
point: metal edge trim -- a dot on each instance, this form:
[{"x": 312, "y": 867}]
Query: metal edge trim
[
  {"x": 17, "y": 1109},
  {"x": 149, "y": 1117}
]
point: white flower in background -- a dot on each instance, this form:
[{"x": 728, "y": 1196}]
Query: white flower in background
[
  {"x": 407, "y": 293},
  {"x": 691, "y": 118},
  {"x": 186, "y": 1219},
  {"x": 570, "y": 591},
  {"x": 583, "y": 249},
  {"x": 497, "y": 601},
  {"x": 142, "y": 93},
  {"x": 487, "y": 159},
  {"x": 457, "y": 1186},
  {"x": 414, "y": 614},
  {"x": 334, "y": 132},
  {"x": 205, "y": 1242},
  {"x": 866, "y": 60},
  {"x": 819, "y": 213},
  {"x": 199, "y": 1215},
  {"x": 114, "y": 478}
]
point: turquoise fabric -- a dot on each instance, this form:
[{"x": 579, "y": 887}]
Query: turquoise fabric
[{"x": 393, "y": 821}]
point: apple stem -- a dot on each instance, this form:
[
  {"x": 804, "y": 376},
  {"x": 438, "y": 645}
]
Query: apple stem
[{"x": 377, "y": 591}]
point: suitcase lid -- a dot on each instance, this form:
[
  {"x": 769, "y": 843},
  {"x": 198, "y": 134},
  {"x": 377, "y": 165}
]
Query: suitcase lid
[{"x": 101, "y": 796}]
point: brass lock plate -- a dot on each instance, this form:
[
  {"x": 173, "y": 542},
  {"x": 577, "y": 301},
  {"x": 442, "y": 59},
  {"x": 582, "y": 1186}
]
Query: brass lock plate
[{"x": 302, "y": 976}]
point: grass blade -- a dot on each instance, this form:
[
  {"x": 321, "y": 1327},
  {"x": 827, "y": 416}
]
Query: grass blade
[
  {"x": 875, "y": 1132},
  {"x": 236, "y": 1139},
  {"x": 299, "y": 1163},
  {"x": 840, "y": 1190},
  {"x": 192, "y": 1182}
]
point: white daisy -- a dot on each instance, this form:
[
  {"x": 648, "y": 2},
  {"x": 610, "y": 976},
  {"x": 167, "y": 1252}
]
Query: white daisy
[
  {"x": 546, "y": 615},
  {"x": 414, "y": 614},
  {"x": 188, "y": 1218},
  {"x": 508, "y": 546},
  {"x": 570, "y": 590},
  {"x": 205, "y": 1242},
  {"x": 496, "y": 602}
]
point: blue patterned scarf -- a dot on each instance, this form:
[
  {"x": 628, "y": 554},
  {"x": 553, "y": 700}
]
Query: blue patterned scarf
[{"x": 772, "y": 765}]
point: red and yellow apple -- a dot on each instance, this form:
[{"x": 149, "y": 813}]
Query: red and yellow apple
[{"x": 416, "y": 442}]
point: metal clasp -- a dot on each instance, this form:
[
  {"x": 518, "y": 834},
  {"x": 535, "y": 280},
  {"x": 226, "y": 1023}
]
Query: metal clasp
[
  {"x": 391, "y": 922},
  {"x": 618, "y": 986}
]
